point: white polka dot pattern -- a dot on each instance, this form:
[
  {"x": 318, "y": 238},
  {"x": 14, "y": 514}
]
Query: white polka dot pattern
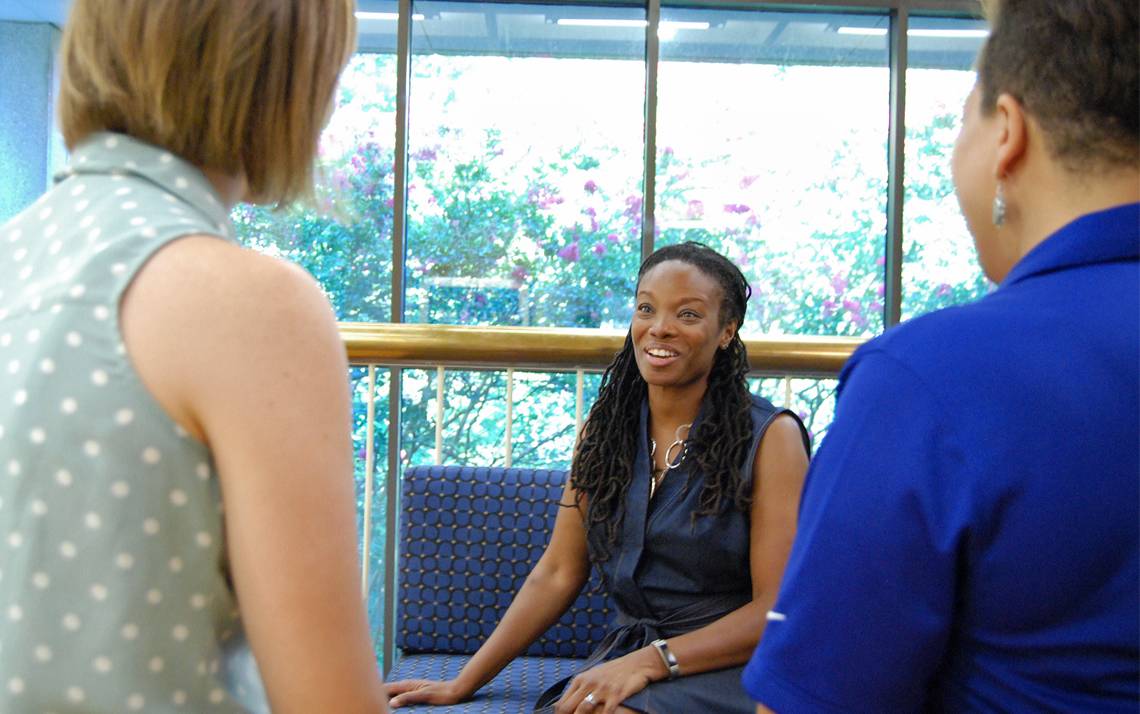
[{"x": 111, "y": 582}]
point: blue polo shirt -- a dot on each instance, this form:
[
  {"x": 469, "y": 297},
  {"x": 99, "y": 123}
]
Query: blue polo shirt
[{"x": 969, "y": 532}]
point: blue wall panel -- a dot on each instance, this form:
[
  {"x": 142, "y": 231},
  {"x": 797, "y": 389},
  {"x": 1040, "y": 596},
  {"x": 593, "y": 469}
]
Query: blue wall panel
[{"x": 27, "y": 95}]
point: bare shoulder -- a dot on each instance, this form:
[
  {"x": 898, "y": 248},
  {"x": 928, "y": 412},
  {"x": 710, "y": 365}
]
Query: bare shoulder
[
  {"x": 781, "y": 456},
  {"x": 222, "y": 290},
  {"x": 206, "y": 272},
  {"x": 785, "y": 432},
  {"x": 204, "y": 317}
]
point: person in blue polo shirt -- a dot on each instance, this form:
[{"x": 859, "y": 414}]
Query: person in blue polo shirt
[{"x": 968, "y": 536}]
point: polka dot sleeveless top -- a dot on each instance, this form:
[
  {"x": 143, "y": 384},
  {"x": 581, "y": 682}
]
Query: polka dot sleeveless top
[{"x": 114, "y": 591}]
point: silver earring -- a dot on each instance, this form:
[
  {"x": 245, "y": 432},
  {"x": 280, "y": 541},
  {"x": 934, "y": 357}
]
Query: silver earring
[{"x": 999, "y": 207}]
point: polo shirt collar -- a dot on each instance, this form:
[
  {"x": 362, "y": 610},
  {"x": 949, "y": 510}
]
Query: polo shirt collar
[
  {"x": 111, "y": 154},
  {"x": 1102, "y": 237}
]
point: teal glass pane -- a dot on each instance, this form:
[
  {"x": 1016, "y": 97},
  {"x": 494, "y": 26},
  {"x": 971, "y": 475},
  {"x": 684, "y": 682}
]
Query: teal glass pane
[
  {"x": 372, "y": 561},
  {"x": 940, "y": 267}
]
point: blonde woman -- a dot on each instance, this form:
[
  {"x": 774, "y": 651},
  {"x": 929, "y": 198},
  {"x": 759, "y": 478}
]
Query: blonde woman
[{"x": 145, "y": 354}]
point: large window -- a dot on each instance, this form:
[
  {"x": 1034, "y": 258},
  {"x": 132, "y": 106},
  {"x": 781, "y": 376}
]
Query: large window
[{"x": 525, "y": 153}]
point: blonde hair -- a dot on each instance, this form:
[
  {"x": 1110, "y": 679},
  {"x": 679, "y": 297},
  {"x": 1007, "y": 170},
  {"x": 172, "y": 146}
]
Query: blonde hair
[{"x": 239, "y": 86}]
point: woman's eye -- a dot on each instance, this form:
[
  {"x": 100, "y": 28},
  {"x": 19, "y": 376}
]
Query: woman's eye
[
  {"x": 689, "y": 315},
  {"x": 643, "y": 307}
]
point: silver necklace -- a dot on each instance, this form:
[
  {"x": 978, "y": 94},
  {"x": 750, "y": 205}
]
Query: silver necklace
[{"x": 656, "y": 476}]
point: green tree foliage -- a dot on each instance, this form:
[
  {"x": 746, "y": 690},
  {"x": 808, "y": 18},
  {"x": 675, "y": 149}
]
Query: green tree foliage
[{"x": 555, "y": 241}]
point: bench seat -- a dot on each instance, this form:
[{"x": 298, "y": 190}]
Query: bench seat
[
  {"x": 514, "y": 691},
  {"x": 469, "y": 536}
]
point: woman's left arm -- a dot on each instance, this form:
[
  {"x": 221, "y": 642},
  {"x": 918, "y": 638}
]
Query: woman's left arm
[{"x": 777, "y": 482}]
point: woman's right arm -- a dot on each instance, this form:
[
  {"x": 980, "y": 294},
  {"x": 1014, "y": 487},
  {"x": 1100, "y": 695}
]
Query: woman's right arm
[
  {"x": 242, "y": 351},
  {"x": 548, "y": 592}
]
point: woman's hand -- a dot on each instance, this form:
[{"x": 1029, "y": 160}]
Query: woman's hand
[
  {"x": 425, "y": 691},
  {"x": 602, "y": 689}
]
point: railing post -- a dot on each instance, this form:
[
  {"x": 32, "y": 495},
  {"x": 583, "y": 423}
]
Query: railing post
[
  {"x": 578, "y": 404},
  {"x": 510, "y": 415},
  {"x": 391, "y": 516},
  {"x": 439, "y": 374},
  {"x": 369, "y": 477}
]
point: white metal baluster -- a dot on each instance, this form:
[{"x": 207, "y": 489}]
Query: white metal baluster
[
  {"x": 439, "y": 415},
  {"x": 510, "y": 414},
  {"x": 369, "y": 476},
  {"x": 578, "y": 404},
  {"x": 787, "y": 392}
]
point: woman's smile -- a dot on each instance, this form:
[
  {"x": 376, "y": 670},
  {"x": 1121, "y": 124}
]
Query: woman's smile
[{"x": 660, "y": 355}]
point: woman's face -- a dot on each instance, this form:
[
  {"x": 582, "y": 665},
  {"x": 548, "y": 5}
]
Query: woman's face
[
  {"x": 975, "y": 182},
  {"x": 676, "y": 326}
]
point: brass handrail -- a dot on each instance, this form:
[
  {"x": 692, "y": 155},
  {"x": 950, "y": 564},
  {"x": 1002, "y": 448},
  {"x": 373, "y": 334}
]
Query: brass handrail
[{"x": 406, "y": 345}]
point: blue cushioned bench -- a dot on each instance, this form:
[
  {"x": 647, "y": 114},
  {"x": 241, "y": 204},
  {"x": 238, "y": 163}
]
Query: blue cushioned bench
[{"x": 468, "y": 538}]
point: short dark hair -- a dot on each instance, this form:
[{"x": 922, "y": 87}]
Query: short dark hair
[{"x": 1073, "y": 64}]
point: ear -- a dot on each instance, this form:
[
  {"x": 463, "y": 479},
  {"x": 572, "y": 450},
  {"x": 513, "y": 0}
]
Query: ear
[
  {"x": 1013, "y": 139},
  {"x": 726, "y": 335}
]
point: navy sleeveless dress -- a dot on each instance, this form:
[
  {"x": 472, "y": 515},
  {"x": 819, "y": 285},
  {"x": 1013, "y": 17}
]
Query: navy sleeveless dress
[{"x": 670, "y": 574}]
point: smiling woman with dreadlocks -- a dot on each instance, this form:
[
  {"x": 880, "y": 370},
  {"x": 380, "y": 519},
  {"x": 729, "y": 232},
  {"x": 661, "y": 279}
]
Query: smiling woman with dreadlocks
[{"x": 683, "y": 492}]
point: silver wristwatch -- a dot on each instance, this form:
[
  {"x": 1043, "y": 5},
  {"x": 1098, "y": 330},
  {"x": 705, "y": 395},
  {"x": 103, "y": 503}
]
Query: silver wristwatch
[{"x": 667, "y": 657}]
